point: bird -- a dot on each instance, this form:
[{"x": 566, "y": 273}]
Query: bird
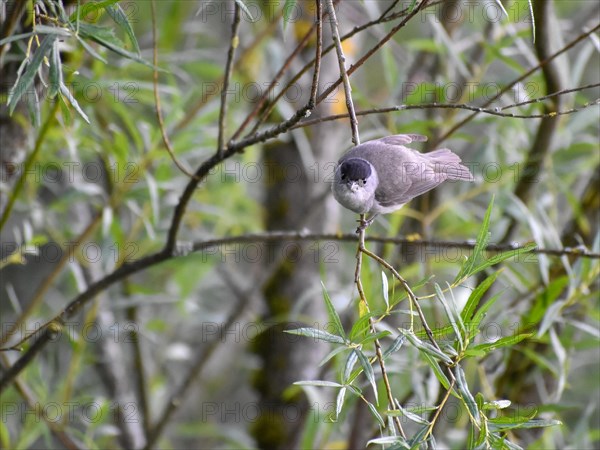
[{"x": 382, "y": 175}]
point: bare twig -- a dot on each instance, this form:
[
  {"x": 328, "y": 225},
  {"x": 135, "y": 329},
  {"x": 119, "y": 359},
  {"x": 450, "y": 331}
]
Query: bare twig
[
  {"x": 568, "y": 46},
  {"x": 493, "y": 112},
  {"x": 227, "y": 77},
  {"x": 343, "y": 74},
  {"x": 159, "y": 116},
  {"x": 374, "y": 49},
  {"x": 363, "y": 299}
]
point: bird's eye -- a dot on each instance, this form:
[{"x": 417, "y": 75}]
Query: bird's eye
[
  {"x": 364, "y": 180},
  {"x": 343, "y": 177}
]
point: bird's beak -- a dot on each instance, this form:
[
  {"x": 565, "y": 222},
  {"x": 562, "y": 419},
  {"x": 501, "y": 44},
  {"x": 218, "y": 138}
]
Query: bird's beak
[{"x": 354, "y": 186}]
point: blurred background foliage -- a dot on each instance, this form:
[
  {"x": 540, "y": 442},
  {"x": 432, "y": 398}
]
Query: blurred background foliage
[{"x": 87, "y": 185}]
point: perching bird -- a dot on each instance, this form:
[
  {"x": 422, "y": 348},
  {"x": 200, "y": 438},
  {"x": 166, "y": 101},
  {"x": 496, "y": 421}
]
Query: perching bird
[{"x": 382, "y": 175}]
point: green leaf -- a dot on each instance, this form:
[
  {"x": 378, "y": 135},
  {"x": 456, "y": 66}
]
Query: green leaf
[
  {"x": 481, "y": 312},
  {"x": 395, "y": 346},
  {"x": 426, "y": 347},
  {"x": 339, "y": 402},
  {"x": 55, "y": 72},
  {"x": 502, "y": 342},
  {"x": 506, "y": 423},
  {"x": 120, "y": 18},
  {"x": 106, "y": 38},
  {"x": 482, "y": 241},
  {"x": 475, "y": 297},
  {"x": 466, "y": 395},
  {"x": 332, "y": 353},
  {"x": 25, "y": 81},
  {"x": 372, "y": 337},
  {"x": 362, "y": 326},
  {"x": 91, "y": 50},
  {"x": 318, "y": 383},
  {"x": 385, "y": 288},
  {"x": 437, "y": 371},
  {"x": 376, "y": 414},
  {"x": 451, "y": 314},
  {"x": 349, "y": 366},
  {"x": 332, "y": 313},
  {"x": 408, "y": 414},
  {"x": 315, "y": 333},
  {"x": 91, "y": 9},
  {"x": 67, "y": 94},
  {"x": 368, "y": 369},
  {"x": 498, "y": 258}
]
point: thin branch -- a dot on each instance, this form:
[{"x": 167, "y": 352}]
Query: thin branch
[
  {"x": 363, "y": 299},
  {"x": 343, "y": 74},
  {"x": 227, "y": 77},
  {"x": 275, "y": 81},
  {"x": 157, "y": 104},
  {"x": 554, "y": 94},
  {"x": 381, "y": 19},
  {"x": 314, "y": 87},
  {"x": 374, "y": 49},
  {"x": 515, "y": 81},
  {"x": 494, "y": 112}
]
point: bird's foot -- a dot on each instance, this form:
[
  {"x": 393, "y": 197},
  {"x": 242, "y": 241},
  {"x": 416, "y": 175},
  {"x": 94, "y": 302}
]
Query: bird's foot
[{"x": 364, "y": 223}]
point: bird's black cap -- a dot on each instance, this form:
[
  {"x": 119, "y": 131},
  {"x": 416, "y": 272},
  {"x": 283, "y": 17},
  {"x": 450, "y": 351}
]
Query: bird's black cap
[{"x": 355, "y": 169}]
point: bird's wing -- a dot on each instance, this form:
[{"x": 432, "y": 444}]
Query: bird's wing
[
  {"x": 403, "y": 172},
  {"x": 402, "y": 139}
]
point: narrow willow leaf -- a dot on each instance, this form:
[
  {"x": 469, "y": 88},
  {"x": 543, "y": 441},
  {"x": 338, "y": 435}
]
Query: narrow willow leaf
[
  {"x": 104, "y": 37},
  {"x": 372, "y": 337},
  {"x": 25, "y": 81},
  {"x": 385, "y": 288},
  {"x": 409, "y": 415},
  {"x": 332, "y": 313},
  {"x": 466, "y": 395},
  {"x": 368, "y": 369},
  {"x": 476, "y": 295},
  {"x": 497, "y": 404},
  {"x": 502, "y": 342},
  {"x": 317, "y": 334},
  {"x": 118, "y": 15},
  {"x": 91, "y": 9},
  {"x": 504, "y": 424},
  {"x": 349, "y": 366},
  {"x": 64, "y": 90},
  {"x": 450, "y": 314},
  {"x": 91, "y": 50},
  {"x": 33, "y": 107},
  {"x": 482, "y": 239},
  {"x": 339, "y": 402},
  {"x": 398, "y": 442},
  {"x": 319, "y": 383},
  {"x": 426, "y": 347},
  {"x": 481, "y": 312},
  {"x": 437, "y": 371},
  {"x": 332, "y": 353},
  {"x": 55, "y": 73},
  {"x": 16, "y": 37},
  {"x": 395, "y": 346},
  {"x": 362, "y": 326},
  {"x": 376, "y": 414},
  {"x": 496, "y": 259}
]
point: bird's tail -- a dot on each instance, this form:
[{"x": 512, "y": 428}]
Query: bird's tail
[{"x": 446, "y": 161}]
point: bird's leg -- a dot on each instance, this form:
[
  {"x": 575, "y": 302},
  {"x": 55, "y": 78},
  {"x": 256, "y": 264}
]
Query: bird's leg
[{"x": 365, "y": 223}]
